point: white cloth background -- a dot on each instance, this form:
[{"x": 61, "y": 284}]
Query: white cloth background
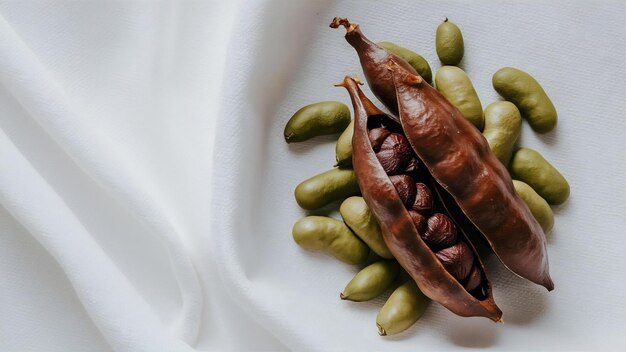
[{"x": 125, "y": 227}]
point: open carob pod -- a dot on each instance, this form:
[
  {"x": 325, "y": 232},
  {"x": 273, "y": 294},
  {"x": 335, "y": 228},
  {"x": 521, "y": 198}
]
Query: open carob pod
[
  {"x": 459, "y": 159},
  {"x": 424, "y": 240}
]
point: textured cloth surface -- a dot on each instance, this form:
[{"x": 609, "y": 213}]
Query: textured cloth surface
[
  {"x": 294, "y": 59},
  {"x": 146, "y": 193}
]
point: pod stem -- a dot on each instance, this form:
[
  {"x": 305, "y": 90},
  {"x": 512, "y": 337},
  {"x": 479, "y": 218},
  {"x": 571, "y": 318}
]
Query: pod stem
[{"x": 339, "y": 21}]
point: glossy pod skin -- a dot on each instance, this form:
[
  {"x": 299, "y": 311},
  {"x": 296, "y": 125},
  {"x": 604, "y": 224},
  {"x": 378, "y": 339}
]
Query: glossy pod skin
[
  {"x": 400, "y": 234},
  {"x": 526, "y": 93},
  {"x": 529, "y": 166},
  {"x": 372, "y": 281},
  {"x": 538, "y": 206},
  {"x": 331, "y": 236},
  {"x": 326, "y": 117},
  {"x": 357, "y": 215},
  {"x": 456, "y": 86},
  {"x": 414, "y": 59},
  {"x": 449, "y": 43},
  {"x": 403, "y": 308},
  {"x": 373, "y": 58},
  {"x": 327, "y": 187},
  {"x": 503, "y": 124},
  {"x": 343, "y": 148},
  {"x": 462, "y": 164},
  {"x": 466, "y": 168}
]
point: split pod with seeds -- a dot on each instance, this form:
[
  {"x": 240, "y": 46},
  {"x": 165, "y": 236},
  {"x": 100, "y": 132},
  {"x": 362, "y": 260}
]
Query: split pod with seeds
[{"x": 462, "y": 173}]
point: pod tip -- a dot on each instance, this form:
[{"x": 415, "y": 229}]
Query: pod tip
[
  {"x": 446, "y": 20},
  {"x": 342, "y": 296},
  {"x": 346, "y": 79},
  {"x": 381, "y": 330},
  {"x": 288, "y": 137}
]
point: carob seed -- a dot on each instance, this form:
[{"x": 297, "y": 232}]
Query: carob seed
[
  {"x": 440, "y": 232},
  {"x": 474, "y": 279},
  {"x": 457, "y": 259},
  {"x": 377, "y": 136},
  {"x": 423, "y": 199},
  {"x": 405, "y": 186}
]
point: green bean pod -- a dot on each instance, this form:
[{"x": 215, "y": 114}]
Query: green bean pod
[
  {"x": 537, "y": 205},
  {"x": 327, "y": 187},
  {"x": 530, "y": 167},
  {"x": 524, "y": 91},
  {"x": 331, "y": 236},
  {"x": 357, "y": 215},
  {"x": 414, "y": 59},
  {"x": 403, "y": 308},
  {"x": 503, "y": 125},
  {"x": 449, "y": 43},
  {"x": 456, "y": 86},
  {"x": 326, "y": 117},
  {"x": 343, "y": 149},
  {"x": 372, "y": 281}
]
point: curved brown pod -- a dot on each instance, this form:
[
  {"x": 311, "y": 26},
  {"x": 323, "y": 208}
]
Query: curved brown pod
[
  {"x": 459, "y": 159},
  {"x": 399, "y": 232},
  {"x": 373, "y": 59}
]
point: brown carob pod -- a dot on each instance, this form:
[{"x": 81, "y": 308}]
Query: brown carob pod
[
  {"x": 403, "y": 238},
  {"x": 465, "y": 167},
  {"x": 373, "y": 59},
  {"x": 458, "y": 158}
]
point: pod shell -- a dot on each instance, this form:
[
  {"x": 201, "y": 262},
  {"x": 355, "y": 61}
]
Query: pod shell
[
  {"x": 465, "y": 167},
  {"x": 399, "y": 232}
]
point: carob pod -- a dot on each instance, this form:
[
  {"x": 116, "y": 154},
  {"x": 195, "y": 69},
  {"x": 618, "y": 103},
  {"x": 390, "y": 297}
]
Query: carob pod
[
  {"x": 459, "y": 159},
  {"x": 373, "y": 59},
  {"x": 403, "y": 236}
]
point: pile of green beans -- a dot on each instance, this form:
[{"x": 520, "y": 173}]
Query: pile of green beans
[{"x": 356, "y": 239}]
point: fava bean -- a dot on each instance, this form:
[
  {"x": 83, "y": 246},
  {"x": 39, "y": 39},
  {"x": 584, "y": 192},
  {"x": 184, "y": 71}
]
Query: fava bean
[
  {"x": 332, "y": 236},
  {"x": 326, "y": 117},
  {"x": 357, "y": 215},
  {"x": 403, "y": 308},
  {"x": 449, "y": 43},
  {"x": 530, "y": 167},
  {"x": 371, "y": 281},
  {"x": 537, "y": 205},
  {"x": 414, "y": 59},
  {"x": 503, "y": 125},
  {"x": 456, "y": 86},
  {"x": 320, "y": 190},
  {"x": 524, "y": 91}
]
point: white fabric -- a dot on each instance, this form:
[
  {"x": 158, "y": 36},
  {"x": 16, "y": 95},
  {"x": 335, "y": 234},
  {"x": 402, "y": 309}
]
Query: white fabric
[{"x": 146, "y": 191}]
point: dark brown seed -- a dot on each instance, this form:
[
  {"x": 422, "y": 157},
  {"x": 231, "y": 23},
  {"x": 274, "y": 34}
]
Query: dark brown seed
[
  {"x": 440, "y": 232},
  {"x": 394, "y": 154},
  {"x": 418, "y": 220},
  {"x": 405, "y": 186},
  {"x": 391, "y": 162},
  {"x": 399, "y": 143},
  {"x": 458, "y": 260},
  {"x": 423, "y": 199},
  {"x": 474, "y": 279},
  {"x": 377, "y": 136}
]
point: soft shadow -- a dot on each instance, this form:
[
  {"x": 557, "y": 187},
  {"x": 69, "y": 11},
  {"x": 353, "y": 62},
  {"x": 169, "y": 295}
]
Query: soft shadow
[
  {"x": 521, "y": 301},
  {"x": 306, "y": 146},
  {"x": 549, "y": 138},
  {"x": 552, "y": 236},
  {"x": 472, "y": 332}
]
